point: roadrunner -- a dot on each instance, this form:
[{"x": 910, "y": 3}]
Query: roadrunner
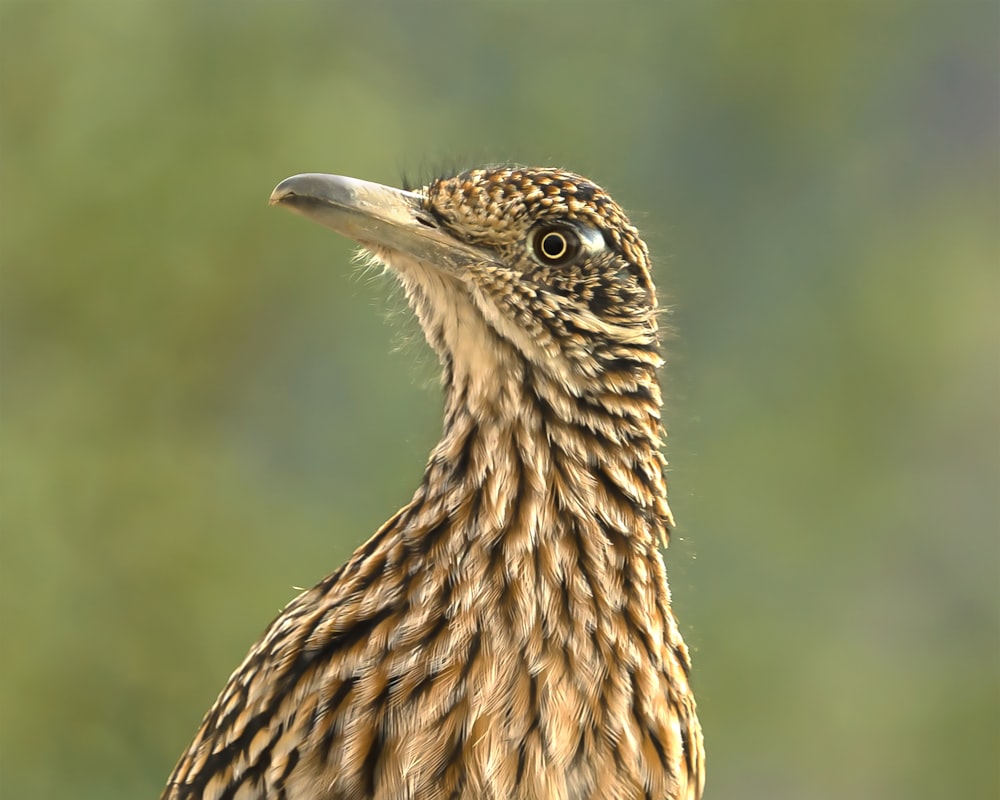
[{"x": 508, "y": 634}]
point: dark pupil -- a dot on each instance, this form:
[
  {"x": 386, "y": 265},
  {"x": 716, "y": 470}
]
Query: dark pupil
[{"x": 554, "y": 245}]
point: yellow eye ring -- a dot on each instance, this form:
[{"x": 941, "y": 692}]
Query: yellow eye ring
[
  {"x": 556, "y": 246},
  {"x": 553, "y": 245}
]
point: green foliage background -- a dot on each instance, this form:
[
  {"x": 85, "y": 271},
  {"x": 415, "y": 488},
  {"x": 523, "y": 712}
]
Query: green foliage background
[{"x": 202, "y": 408}]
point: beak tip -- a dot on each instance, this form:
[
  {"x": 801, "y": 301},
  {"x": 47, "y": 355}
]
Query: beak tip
[{"x": 280, "y": 194}]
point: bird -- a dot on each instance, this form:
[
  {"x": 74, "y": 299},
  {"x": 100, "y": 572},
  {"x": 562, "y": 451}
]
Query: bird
[{"x": 508, "y": 634}]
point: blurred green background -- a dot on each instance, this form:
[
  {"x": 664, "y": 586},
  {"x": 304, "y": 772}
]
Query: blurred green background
[{"x": 203, "y": 405}]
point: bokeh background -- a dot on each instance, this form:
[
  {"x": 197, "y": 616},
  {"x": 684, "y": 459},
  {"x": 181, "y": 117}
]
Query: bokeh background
[{"x": 203, "y": 405}]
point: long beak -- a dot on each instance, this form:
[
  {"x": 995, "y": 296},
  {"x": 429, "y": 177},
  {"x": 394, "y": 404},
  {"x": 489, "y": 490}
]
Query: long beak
[{"x": 375, "y": 216}]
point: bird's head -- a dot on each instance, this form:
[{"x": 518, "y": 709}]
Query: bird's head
[{"x": 509, "y": 270}]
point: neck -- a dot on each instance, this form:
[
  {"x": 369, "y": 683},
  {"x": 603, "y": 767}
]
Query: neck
[
  {"x": 547, "y": 483},
  {"x": 563, "y": 496},
  {"x": 597, "y": 454}
]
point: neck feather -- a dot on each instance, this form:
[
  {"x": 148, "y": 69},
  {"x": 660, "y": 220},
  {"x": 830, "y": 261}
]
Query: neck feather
[
  {"x": 546, "y": 483},
  {"x": 554, "y": 503}
]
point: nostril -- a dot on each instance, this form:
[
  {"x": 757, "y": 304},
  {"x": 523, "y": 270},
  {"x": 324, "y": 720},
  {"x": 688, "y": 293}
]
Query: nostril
[{"x": 425, "y": 222}]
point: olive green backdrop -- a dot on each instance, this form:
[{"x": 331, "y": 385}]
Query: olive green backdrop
[{"x": 203, "y": 405}]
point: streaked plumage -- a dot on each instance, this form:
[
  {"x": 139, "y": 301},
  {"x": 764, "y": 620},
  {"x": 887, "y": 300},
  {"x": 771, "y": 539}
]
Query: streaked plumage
[{"x": 508, "y": 634}]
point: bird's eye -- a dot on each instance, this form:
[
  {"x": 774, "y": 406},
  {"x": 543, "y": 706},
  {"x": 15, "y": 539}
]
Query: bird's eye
[{"x": 555, "y": 246}]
